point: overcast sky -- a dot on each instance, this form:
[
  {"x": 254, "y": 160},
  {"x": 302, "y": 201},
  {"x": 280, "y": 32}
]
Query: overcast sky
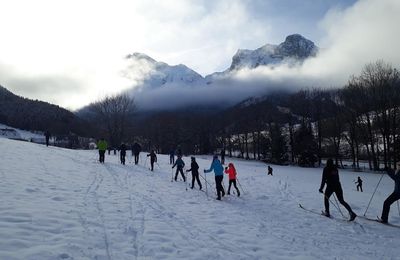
[{"x": 71, "y": 52}]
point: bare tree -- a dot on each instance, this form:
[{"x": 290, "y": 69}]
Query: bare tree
[{"x": 114, "y": 112}]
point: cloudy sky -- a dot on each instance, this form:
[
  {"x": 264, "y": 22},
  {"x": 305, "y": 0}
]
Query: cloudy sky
[{"x": 71, "y": 52}]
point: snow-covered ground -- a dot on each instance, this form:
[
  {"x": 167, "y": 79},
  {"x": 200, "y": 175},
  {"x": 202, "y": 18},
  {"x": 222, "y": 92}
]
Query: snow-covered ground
[
  {"x": 15, "y": 133},
  {"x": 63, "y": 204}
]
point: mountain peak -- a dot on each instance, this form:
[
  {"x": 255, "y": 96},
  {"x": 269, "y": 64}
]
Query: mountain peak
[
  {"x": 296, "y": 45},
  {"x": 140, "y": 56},
  {"x": 294, "y": 49}
]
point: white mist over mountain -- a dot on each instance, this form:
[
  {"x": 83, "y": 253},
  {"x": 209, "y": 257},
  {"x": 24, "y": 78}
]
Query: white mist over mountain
[
  {"x": 71, "y": 56},
  {"x": 358, "y": 35}
]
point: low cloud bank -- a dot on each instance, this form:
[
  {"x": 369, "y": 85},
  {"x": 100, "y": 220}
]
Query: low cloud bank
[{"x": 356, "y": 36}]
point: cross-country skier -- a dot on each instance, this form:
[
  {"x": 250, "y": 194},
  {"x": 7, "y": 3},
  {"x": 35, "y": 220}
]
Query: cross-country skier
[
  {"x": 194, "y": 168},
  {"x": 136, "y": 148},
  {"x": 179, "y": 152},
  {"x": 153, "y": 158},
  {"x": 179, "y": 167},
  {"x": 216, "y": 166},
  {"x": 223, "y": 156},
  {"x": 392, "y": 197},
  {"x": 47, "y": 135},
  {"x": 359, "y": 184},
  {"x": 172, "y": 156},
  {"x": 102, "y": 146},
  {"x": 330, "y": 176},
  {"x": 122, "y": 153},
  {"x": 270, "y": 170},
  {"x": 232, "y": 177}
]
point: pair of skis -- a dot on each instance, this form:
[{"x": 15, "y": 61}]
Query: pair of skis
[{"x": 378, "y": 220}]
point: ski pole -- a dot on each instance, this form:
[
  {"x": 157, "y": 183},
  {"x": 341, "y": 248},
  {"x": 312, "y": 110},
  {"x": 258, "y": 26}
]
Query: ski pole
[
  {"x": 172, "y": 174},
  {"x": 398, "y": 208},
  {"x": 207, "y": 183},
  {"x": 338, "y": 206},
  {"x": 240, "y": 185},
  {"x": 205, "y": 178},
  {"x": 369, "y": 203},
  {"x": 330, "y": 202},
  {"x": 145, "y": 162},
  {"x": 184, "y": 174}
]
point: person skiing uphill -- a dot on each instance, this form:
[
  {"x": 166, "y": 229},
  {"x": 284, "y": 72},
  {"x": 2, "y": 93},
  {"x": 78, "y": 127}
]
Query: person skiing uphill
[
  {"x": 136, "y": 148},
  {"x": 216, "y": 166},
  {"x": 392, "y": 197},
  {"x": 194, "y": 168},
  {"x": 172, "y": 156},
  {"x": 223, "y": 156},
  {"x": 359, "y": 184},
  {"x": 102, "y": 146},
  {"x": 270, "y": 170},
  {"x": 122, "y": 153},
  {"x": 179, "y": 168},
  {"x": 47, "y": 135},
  {"x": 330, "y": 176},
  {"x": 232, "y": 177},
  {"x": 153, "y": 159}
]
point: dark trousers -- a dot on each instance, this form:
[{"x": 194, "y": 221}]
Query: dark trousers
[
  {"x": 234, "y": 185},
  {"x": 136, "y": 158},
  {"x": 386, "y": 205},
  {"x": 339, "y": 194},
  {"x": 152, "y": 164},
  {"x": 359, "y": 186},
  {"x": 179, "y": 169},
  {"x": 219, "y": 187},
  {"x": 122, "y": 158},
  {"x": 171, "y": 159},
  {"x": 47, "y": 141},
  {"x": 101, "y": 156},
  {"x": 195, "y": 176}
]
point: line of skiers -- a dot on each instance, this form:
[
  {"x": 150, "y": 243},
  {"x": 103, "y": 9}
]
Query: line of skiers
[
  {"x": 103, "y": 146},
  {"x": 330, "y": 177}
]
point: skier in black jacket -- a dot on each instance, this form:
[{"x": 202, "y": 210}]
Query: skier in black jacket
[
  {"x": 330, "y": 176},
  {"x": 359, "y": 184},
  {"x": 194, "y": 168},
  {"x": 122, "y": 153},
  {"x": 392, "y": 197},
  {"x": 153, "y": 158},
  {"x": 136, "y": 148}
]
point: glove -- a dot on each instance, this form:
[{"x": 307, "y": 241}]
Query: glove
[
  {"x": 226, "y": 168},
  {"x": 321, "y": 191},
  {"x": 204, "y": 171}
]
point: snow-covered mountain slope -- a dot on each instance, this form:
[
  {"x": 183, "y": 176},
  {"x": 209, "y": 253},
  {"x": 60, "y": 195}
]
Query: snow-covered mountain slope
[
  {"x": 294, "y": 50},
  {"x": 159, "y": 74},
  {"x": 63, "y": 204},
  {"x": 15, "y": 133}
]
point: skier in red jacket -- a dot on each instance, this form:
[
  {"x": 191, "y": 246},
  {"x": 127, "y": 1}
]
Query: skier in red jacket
[{"x": 231, "y": 171}]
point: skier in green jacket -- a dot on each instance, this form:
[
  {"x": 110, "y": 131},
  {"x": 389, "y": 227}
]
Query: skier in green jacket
[{"x": 102, "y": 146}]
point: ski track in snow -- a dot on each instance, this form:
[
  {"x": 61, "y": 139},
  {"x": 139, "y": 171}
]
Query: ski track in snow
[{"x": 63, "y": 204}]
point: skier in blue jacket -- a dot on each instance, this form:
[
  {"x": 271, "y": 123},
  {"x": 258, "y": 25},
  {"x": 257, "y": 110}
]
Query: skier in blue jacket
[
  {"x": 218, "y": 169},
  {"x": 392, "y": 197},
  {"x": 179, "y": 163}
]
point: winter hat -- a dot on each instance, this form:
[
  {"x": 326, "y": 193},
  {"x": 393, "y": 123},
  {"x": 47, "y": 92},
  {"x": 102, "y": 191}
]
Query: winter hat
[{"x": 215, "y": 156}]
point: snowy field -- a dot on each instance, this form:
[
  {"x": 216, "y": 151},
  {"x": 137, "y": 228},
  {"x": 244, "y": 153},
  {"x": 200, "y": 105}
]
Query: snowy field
[{"x": 62, "y": 204}]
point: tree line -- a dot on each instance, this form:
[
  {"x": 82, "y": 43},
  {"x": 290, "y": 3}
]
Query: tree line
[{"x": 358, "y": 122}]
